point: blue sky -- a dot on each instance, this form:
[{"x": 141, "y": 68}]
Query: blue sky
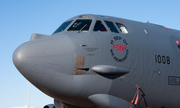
[{"x": 20, "y": 18}]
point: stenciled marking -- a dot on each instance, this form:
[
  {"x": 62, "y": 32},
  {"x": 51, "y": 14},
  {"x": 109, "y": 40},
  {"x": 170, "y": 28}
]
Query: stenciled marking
[
  {"x": 119, "y": 45},
  {"x": 162, "y": 59},
  {"x": 173, "y": 80}
]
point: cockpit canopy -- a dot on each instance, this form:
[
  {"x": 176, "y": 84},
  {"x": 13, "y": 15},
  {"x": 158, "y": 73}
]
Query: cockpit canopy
[
  {"x": 63, "y": 26},
  {"x": 80, "y": 25},
  {"x": 83, "y": 24}
]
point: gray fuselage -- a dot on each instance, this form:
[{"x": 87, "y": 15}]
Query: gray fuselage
[{"x": 60, "y": 65}]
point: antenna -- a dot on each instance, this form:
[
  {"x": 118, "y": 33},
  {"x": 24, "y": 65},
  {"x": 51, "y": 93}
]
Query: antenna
[{"x": 28, "y": 92}]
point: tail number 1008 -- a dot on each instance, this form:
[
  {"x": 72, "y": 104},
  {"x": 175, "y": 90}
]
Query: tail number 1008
[{"x": 162, "y": 59}]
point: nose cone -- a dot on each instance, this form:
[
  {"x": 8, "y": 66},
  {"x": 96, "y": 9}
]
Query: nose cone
[
  {"x": 38, "y": 58},
  {"x": 18, "y": 56}
]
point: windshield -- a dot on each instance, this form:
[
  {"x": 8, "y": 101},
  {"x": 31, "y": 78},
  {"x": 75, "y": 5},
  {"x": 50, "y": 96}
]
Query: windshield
[
  {"x": 80, "y": 25},
  {"x": 99, "y": 27},
  {"x": 111, "y": 26},
  {"x": 63, "y": 26},
  {"x": 122, "y": 28}
]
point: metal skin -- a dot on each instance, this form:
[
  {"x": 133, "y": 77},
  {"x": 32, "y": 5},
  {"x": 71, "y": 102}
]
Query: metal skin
[{"x": 152, "y": 57}]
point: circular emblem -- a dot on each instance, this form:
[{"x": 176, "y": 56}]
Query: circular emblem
[
  {"x": 119, "y": 50},
  {"x": 175, "y": 44}
]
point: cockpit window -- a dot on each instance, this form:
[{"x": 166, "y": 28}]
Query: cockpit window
[
  {"x": 63, "y": 26},
  {"x": 122, "y": 28},
  {"x": 111, "y": 26},
  {"x": 99, "y": 27},
  {"x": 81, "y": 25}
]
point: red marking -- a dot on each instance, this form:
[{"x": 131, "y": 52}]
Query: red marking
[
  {"x": 137, "y": 97},
  {"x": 154, "y": 106},
  {"x": 177, "y": 42},
  {"x": 62, "y": 105},
  {"x": 131, "y": 104},
  {"x": 119, "y": 47},
  {"x": 121, "y": 21},
  {"x": 165, "y": 29}
]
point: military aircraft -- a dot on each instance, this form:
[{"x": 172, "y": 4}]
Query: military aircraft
[{"x": 98, "y": 61}]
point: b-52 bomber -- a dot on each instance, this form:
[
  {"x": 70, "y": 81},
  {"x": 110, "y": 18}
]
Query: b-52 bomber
[{"x": 97, "y": 61}]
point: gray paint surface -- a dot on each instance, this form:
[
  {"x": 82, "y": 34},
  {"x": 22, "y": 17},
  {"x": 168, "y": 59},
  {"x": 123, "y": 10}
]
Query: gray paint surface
[{"x": 151, "y": 58}]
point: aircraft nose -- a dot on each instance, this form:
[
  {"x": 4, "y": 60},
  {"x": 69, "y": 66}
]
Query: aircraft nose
[
  {"x": 18, "y": 56},
  {"x": 48, "y": 56}
]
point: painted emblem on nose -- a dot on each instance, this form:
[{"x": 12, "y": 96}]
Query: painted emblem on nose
[
  {"x": 119, "y": 50},
  {"x": 119, "y": 47},
  {"x": 177, "y": 42}
]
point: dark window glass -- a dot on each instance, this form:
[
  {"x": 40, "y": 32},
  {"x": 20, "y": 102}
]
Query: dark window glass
[
  {"x": 122, "y": 28},
  {"x": 99, "y": 26},
  {"x": 111, "y": 26},
  {"x": 81, "y": 25},
  {"x": 63, "y": 26}
]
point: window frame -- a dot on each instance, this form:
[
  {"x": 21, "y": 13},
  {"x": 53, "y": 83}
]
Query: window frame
[
  {"x": 109, "y": 27},
  {"x": 81, "y": 27},
  {"x": 61, "y": 25},
  {"x": 95, "y": 21},
  {"x": 119, "y": 28}
]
